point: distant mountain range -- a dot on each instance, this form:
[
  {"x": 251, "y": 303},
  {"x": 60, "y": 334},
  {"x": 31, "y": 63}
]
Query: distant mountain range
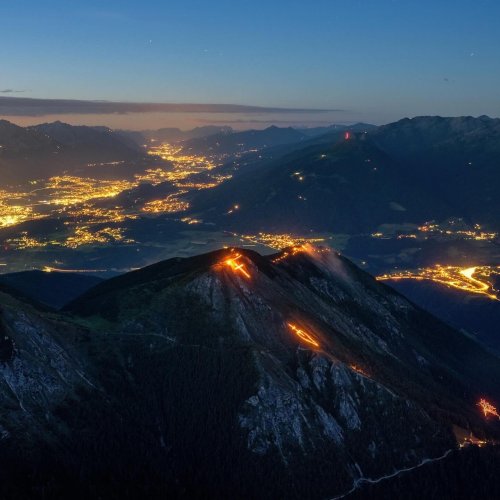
[
  {"x": 48, "y": 149},
  {"x": 232, "y": 375},
  {"x": 173, "y": 134},
  {"x": 237, "y": 143},
  {"x": 212, "y": 139},
  {"x": 240, "y": 142},
  {"x": 408, "y": 171}
]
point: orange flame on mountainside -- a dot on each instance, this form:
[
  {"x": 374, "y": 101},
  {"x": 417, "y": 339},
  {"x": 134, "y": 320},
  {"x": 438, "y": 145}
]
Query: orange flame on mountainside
[
  {"x": 306, "y": 337},
  {"x": 359, "y": 370},
  {"x": 487, "y": 408},
  {"x": 236, "y": 266},
  {"x": 287, "y": 253}
]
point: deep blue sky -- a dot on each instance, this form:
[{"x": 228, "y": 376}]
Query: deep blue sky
[{"x": 377, "y": 59}]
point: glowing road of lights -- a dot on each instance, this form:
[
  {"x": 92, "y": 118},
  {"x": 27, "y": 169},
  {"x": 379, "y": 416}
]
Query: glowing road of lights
[
  {"x": 487, "y": 408},
  {"x": 306, "y": 337},
  {"x": 49, "y": 269},
  {"x": 236, "y": 266},
  {"x": 477, "y": 279}
]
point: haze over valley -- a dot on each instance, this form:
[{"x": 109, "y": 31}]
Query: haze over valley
[{"x": 249, "y": 250}]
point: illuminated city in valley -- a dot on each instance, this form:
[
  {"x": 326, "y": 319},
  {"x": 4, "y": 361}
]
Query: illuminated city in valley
[
  {"x": 278, "y": 241},
  {"x": 78, "y": 200},
  {"x": 475, "y": 280},
  {"x": 170, "y": 204},
  {"x": 249, "y": 249},
  {"x": 13, "y": 208},
  {"x": 452, "y": 229}
]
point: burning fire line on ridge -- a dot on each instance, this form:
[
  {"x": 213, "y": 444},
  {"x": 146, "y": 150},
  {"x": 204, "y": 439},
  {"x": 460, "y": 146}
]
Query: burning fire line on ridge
[
  {"x": 288, "y": 253},
  {"x": 236, "y": 266},
  {"x": 305, "y": 336},
  {"x": 487, "y": 408}
]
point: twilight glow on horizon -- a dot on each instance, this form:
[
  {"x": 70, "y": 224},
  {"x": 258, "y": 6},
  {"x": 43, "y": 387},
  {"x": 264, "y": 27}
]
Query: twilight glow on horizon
[{"x": 321, "y": 62}]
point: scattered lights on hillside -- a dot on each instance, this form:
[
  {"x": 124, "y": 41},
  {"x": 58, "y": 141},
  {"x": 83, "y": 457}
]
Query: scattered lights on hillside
[
  {"x": 233, "y": 209},
  {"x": 304, "y": 248},
  {"x": 191, "y": 220},
  {"x": 477, "y": 279},
  {"x": 303, "y": 335},
  {"x": 452, "y": 229},
  {"x": 487, "y": 408},
  {"x": 298, "y": 176},
  {"x": 287, "y": 253}
]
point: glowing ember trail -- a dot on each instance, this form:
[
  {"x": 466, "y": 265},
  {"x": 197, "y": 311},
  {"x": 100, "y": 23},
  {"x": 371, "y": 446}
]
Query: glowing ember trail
[
  {"x": 306, "y": 337},
  {"x": 487, "y": 408},
  {"x": 237, "y": 266},
  {"x": 359, "y": 370},
  {"x": 288, "y": 253}
]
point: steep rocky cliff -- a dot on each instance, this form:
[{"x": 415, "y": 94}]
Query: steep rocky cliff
[{"x": 232, "y": 374}]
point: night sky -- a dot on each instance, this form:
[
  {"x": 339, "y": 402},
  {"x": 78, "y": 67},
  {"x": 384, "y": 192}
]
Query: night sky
[{"x": 369, "y": 60}]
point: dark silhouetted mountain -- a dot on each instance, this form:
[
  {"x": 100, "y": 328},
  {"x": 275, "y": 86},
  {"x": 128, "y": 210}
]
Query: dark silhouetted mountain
[
  {"x": 184, "y": 379},
  {"x": 48, "y": 149},
  {"x": 173, "y": 135},
  {"x": 458, "y": 157},
  {"x": 350, "y": 187},
  {"x": 53, "y": 289},
  {"x": 317, "y": 131},
  {"x": 176, "y": 135},
  {"x": 16, "y": 140},
  {"x": 476, "y": 314},
  {"x": 73, "y": 136},
  {"x": 409, "y": 171},
  {"x": 240, "y": 142}
]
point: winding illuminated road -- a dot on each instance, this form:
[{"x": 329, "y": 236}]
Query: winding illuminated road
[{"x": 476, "y": 279}]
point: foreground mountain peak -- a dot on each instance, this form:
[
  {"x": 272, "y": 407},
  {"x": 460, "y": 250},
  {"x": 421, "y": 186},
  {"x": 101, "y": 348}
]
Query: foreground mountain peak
[{"x": 282, "y": 363}]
